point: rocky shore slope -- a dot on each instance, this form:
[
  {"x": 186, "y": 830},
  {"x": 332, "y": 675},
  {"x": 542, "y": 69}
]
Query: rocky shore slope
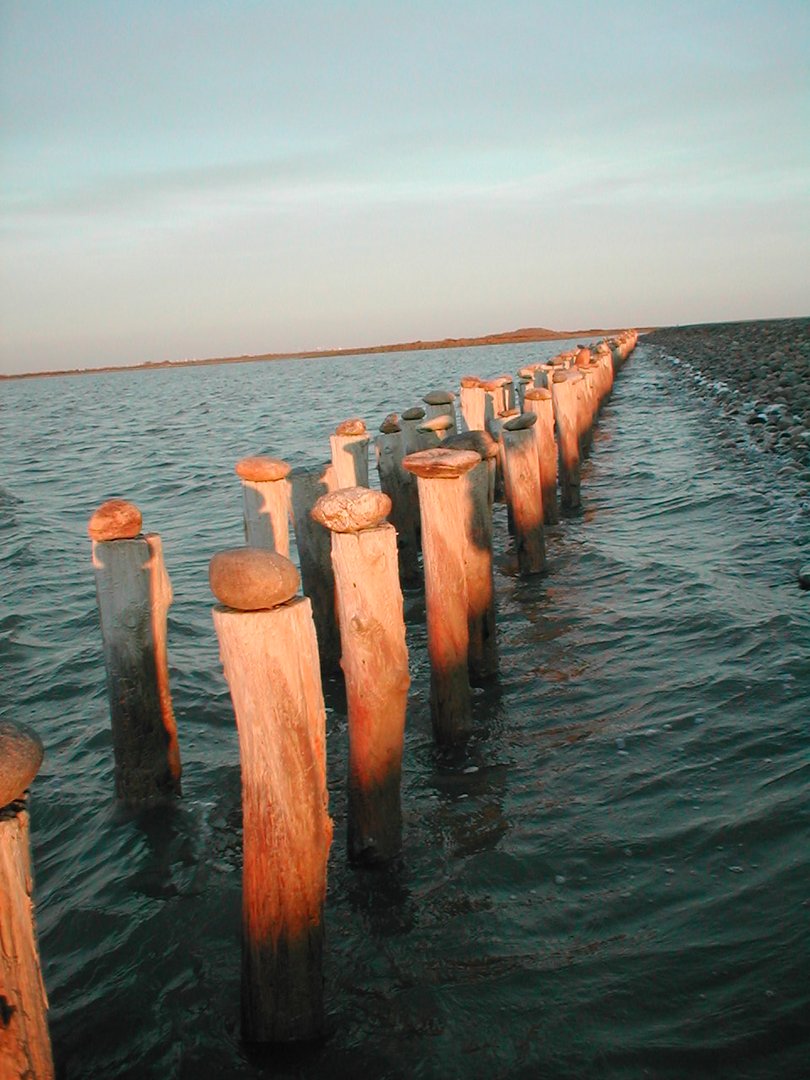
[{"x": 760, "y": 370}]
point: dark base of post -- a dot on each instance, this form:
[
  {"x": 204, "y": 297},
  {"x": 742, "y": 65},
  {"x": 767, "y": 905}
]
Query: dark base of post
[
  {"x": 450, "y": 707},
  {"x": 282, "y": 988},
  {"x": 375, "y": 821}
]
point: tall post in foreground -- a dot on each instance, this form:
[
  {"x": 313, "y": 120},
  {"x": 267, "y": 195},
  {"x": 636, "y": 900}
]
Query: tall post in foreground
[
  {"x": 523, "y": 492},
  {"x": 375, "y": 665},
  {"x": 266, "y": 496},
  {"x": 315, "y": 559},
  {"x": 25, "y": 1045},
  {"x": 482, "y": 656},
  {"x": 350, "y": 453},
  {"x": 399, "y": 486},
  {"x": 270, "y": 658},
  {"x": 134, "y": 594},
  {"x": 538, "y": 401},
  {"x": 446, "y": 514}
]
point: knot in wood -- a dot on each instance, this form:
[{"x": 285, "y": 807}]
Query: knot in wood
[
  {"x": 21, "y": 754},
  {"x": 416, "y": 413},
  {"x": 440, "y": 463},
  {"x": 350, "y": 510},
  {"x": 115, "y": 519},
  {"x": 355, "y": 426},
  {"x": 260, "y": 469},
  {"x": 522, "y": 422},
  {"x": 252, "y": 579},
  {"x": 439, "y": 397}
]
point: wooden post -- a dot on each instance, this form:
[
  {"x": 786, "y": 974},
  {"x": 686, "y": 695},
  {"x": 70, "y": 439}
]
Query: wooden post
[
  {"x": 508, "y": 391},
  {"x": 414, "y": 440},
  {"x": 565, "y": 414},
  {"x": 266, "y": 497},
  {"x": 350, "y": 453},
  {"x": 134, "y": 594},
  {"x": 399, "y": 486},
  {"x": 441, "y": 403},
  {"x": 446, "y": 516},
  {"x": 524, "y": 493},
  {"x": 374, "y": 662},
  {"x": 482, "y": 656},
  {"x": 473, "y": 399},
  {"x": 25, "y": 1044},
  {"x": 314, "y": 545},
  {"x": 538, "y": 401},
  {"x": 270, "y": 658}
]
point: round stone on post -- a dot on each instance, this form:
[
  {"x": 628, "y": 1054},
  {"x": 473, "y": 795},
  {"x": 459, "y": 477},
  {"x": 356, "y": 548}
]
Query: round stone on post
[
  {"x": 350, "y": 453},
  {"x": 374, "y": 662},
  {"x": 266, "y": 497},
  {"x": 315, "y": 559},
  {"x": 269, "y": 656},
  {"x": 446, "y": 515},
  {"x": 134, "y": 594},
  {"x": 538, "y": 401},
  {"x": 436, "y": 429},
  {"x": 524, "y": 493},
  {"x": 25, "y": 1044},
  {"x": 398, "y": 485}
]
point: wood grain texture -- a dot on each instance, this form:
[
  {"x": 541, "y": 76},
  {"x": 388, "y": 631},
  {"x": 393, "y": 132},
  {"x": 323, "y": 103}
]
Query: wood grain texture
[
  {"x": 482, "y": 655},
  {"x": 565, "y": 416},
  {"x": 25, "y": 1045},
  {"x": 399, "y": 486},
  {"x": 270, "y": 660},
  {"x": 134, "y": 594},
  {"x": 446, "y": 513},
  {"x": 547, "y": 454},
  {"x": 267, "y": 511},
  {"x": 350, "y": 460},
  {"x": 314, "y": 543},
  {"x": 524, "y": 494},
  {"x": 375, "y": 666}
]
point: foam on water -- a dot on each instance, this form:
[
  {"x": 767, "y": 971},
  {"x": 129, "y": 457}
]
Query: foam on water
[{"x": 611, "y": 881}]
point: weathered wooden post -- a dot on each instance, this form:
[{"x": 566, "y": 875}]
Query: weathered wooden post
[
  {"x": 524, "y": 493},
  {"x": 413, "y": 440},
  {"x": 374, "y": 662},
  {"x": 565, "y": 414},
  {"x": 441, "y": 403},
  {"x": 473, "y": 402},
  {"x": 314, "y": 544},
  {"x": 266, "y": 498},
  {"x": 270, "y": 658},
  {"x": 350, "y": 453},
  {"x": 134, "y": 594},
  {"x": 538, "y": 401},
  {"x": 507, "y": 390},
  {"x": 25, "y": 1044},
  {"x": 399, "y": 486},
  {"x": 482, "y": 655},
  {"x": 522, "y": 384},
  {"x": 446, "y": 516}
]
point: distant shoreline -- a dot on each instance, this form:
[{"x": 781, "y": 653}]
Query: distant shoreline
[{"x": 510, "y": 337}]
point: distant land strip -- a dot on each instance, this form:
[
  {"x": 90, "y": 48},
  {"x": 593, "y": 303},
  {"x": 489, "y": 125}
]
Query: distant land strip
[{"x": 510, "y": 337}]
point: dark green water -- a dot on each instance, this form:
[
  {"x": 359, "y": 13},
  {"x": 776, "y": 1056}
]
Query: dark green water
[{"x": 612, "y": 881}]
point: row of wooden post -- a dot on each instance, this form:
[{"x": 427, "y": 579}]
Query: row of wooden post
[{"x": 438, "y": 484}]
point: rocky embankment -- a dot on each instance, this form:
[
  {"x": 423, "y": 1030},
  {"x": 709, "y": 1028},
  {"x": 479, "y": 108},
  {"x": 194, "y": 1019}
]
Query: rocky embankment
[{"x": 760, "y": 370}]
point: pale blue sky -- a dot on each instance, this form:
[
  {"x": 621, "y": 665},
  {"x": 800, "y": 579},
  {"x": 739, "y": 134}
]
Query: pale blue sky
[{"x": 200, "y": 179}]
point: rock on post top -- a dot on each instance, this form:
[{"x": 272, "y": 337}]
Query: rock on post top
[
  {"x": 252, "y": 579},
  {"x": 353, "y": 509},
  {"x": 115, "y": 519}
]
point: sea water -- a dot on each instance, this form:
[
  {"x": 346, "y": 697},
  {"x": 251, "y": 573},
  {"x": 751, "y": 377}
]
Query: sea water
[{"x": 610, "y": 881}]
